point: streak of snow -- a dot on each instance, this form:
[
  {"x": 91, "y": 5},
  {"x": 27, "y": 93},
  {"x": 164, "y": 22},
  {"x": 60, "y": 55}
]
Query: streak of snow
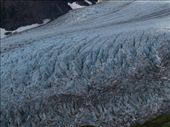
[
  {"x": 74, "y": 5},
  {"x": 22, "y": 28},
  {"x": 88, "y": 2},
  {"x": 3, "y": 31}
]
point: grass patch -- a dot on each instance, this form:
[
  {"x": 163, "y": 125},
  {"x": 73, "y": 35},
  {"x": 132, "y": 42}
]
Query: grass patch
[{"x": 161, "y": 121}]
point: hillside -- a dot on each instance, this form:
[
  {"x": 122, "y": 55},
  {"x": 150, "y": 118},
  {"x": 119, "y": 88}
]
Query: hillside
[{"x": 17, "y": 13}]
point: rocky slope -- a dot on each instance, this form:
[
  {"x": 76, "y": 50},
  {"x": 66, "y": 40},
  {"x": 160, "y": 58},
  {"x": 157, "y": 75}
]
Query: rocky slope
[
  {"x": 17, "y": 13},
  {"x": 109, "y": 66}
]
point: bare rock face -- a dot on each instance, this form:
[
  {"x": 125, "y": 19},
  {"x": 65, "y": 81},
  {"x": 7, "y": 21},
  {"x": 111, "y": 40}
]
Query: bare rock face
[
  {"x": 108, "y": 67},
  {"x": 17, "y": 13}
]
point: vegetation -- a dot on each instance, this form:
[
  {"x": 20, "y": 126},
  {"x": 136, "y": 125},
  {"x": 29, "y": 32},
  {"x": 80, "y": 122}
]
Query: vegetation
[{"x": 161, "y": 121}]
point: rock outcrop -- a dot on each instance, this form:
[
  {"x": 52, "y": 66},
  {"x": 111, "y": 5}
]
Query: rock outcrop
[
  {"x": 109, "y": 66},
  {"x": 17, "y": 13}
]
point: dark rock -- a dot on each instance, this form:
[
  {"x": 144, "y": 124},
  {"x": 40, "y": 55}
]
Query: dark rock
[
  {"x": 16, "y": 13},
  {"x": 8, "y": 33}
]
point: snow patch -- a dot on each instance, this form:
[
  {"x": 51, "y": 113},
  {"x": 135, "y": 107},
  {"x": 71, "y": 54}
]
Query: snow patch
[
  {"x": 3, "y": 31},
  {"x": 22, "y": 28},
  {"x": 88, "y": 2},
  {"x": 74, "y": 5}
]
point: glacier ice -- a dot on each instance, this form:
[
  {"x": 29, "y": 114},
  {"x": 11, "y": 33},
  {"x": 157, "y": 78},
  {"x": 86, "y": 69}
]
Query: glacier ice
[{"x": 108, "y": 66}]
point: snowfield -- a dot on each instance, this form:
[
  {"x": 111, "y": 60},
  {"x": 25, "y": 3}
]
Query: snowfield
[{"x": 106, "y": 65}]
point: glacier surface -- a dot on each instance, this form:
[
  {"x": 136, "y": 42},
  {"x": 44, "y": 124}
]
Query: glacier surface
[{"x": 106, "y": 65}]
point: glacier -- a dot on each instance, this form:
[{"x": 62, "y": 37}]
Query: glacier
[{"x": 106, "y": 65}]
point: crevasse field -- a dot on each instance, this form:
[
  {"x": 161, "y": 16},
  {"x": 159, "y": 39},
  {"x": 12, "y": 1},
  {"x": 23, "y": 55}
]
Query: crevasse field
[{"x": 106, "y": 65}]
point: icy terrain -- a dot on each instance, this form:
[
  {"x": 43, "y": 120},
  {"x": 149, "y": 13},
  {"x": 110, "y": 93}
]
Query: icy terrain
[{"x": 109, "y": 66}]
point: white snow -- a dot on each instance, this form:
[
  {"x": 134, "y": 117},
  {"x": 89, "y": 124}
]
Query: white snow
[
  {"x": 3, "y": 31},
  {"x": 74, "y": 5},
  {"x": 23, "y": 28},
  {"x": 88, "y": 2},
  {"x": 20, "y": 29}
]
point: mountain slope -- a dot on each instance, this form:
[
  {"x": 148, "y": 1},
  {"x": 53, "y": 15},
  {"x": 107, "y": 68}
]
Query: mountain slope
[
  {"x": 108, "y": 66},
  {"x": 17, "y": 13}
]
